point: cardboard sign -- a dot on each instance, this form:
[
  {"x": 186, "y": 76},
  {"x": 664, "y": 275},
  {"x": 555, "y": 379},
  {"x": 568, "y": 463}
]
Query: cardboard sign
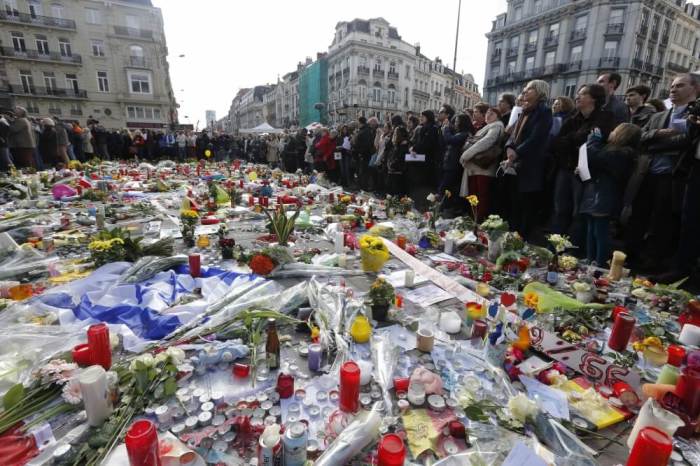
[{"x": 595, "y": 367}]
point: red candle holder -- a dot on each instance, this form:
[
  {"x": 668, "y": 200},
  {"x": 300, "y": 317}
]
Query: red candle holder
[
  {"x": 688, "y": 389},
  {"x": 100, "y": 348},
  {"x": 652, "y": 447},
  {"x": 621, "y": 332},
  {"x": 401, "y": 384},
  {"x": 241, "y": 370},
  {"x": 676, "y": 354},
  {"x": 617, "y": 310},
  {"x": 349, "y": 387},
  {"x": 391, "y": 451},
  {"x": 82, "y": 355},
  {"x": 195, "y": 261},
  {"x": 479, "y": 329},
  {"x": 142, "y": 444},
  {"x": 285, "y": 385}
]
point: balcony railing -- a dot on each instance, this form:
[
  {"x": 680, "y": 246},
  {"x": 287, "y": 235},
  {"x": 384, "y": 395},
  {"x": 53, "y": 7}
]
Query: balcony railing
[
  {"x": 551, "y": 40},
  {"x": 512, "y": 52},
  {"x": 393, "y": 75},
  {"x": 664, "y": 39},
  {"x": 654, "y": 35},
  {"x": 20, "y": 89},
  {"x": 578, "y": 34},
  {"x": 530, "y": 47},
  {"x": 35, "y": 55},
  {"x": 138, "y": 62},
  {"x": 419, "y": 93},
  {"x": 677, "y": 68},
  {"x": 637, "y": 63},
  {"x": 648, "y": 67},
  {"x": 37, "y": 20},
  {"x": 575, "y": 65},
  {"x": 643, "y": 30},
  {"x": 362, "y": 70},
  {"x": 377, "y": 73},
  {"x": 55, "y": 111},
  {"x": 615, "y": 29},
  {"x": 346, "y": 70},
  {"x": 609, "y": 62},
  {"x": 133, "y": 32},
  {"x": 76, "y": 112}
]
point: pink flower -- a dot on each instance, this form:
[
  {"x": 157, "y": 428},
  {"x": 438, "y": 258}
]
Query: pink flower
[{"x": 71, "y": 392}]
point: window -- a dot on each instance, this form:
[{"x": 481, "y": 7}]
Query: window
[
  {"x": 363, "y": 61},
  {"x": 532, "y": 37},
  {"x": 35, "y": 9},
  {"x": 18, "y": 42},
  {"x": 645, "y": 18},
  {"x": 514, "y": 42},
  {"x": 392, "y": 67},
  {"x": 57, "y": 11},
  {"x": 391, "y": 94},
  {"x": 650, "y": 54},
  {"x": 529, "y": 63},
  {"x": 616, "y": 15},
  {"x": 660, "y": 58},
  {"x": 362, "y": 90},
  {"x": 498, "y": 46},
  {"x": 92, "y": 16},
  {"x": 554, "y": 30},
  {"x": 72, "y": 83},
  {"x": 377, "y": 92},
  {"x": 537, "y": 6},
  {"x": 638, "y": 51},
  {"x": 549, "y": 58},
  {"x": 666, "y": 29},
  {"x": 143, "y": 113},
  {"x": 11, "y": 8},
  {"x": 576, "y": 53},
  {"x": 510, "y": 68},
  {"x": 140, "y": 83},
  {"x": 27, "y": 81},
  {"x": 65, "y": 48},
  {"x": 132, "y": 22},
  {"x": 42, "y": 44},
  {"x": 378, "y": 64},
  {"x": 581, "y": 23},
  {"x": 98, "y": 48},
  {"x": 655, "y": 24},
  {"x": 102, "y": 81},
  {"x": 610, "y": 49},
  {"x": 517, "y": 13},
  {"x": 570, "y": 88},
  {"x": 50, "y": 82}
]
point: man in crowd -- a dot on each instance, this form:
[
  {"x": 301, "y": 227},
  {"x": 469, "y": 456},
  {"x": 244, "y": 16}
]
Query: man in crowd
[
  {"x": 363, "y": 148},
  {"x": 611, "y": 81},
  {"x": 505, "y": 104},
  {"x": 636, "y": 101}
]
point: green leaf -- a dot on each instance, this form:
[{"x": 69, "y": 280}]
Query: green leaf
[
  {"x": 170, "y": 386},
  {"x": 139, "y": 365},
  {"x": 13, "y": 396}
]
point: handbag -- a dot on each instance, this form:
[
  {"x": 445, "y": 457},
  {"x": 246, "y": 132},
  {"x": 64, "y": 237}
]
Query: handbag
[{"x": 488, "y": 157}]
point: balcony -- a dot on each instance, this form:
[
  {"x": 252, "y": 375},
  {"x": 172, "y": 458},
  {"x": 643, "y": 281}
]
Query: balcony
[
  {"x": 496, "y": 55},
  {"x": 133, "y": 33},
  {"x": 659, "y": 70},
  {"x": 393, "y": 75},
  {"x": 664, "y": 39},
  {"x": 34, "y": 55},
  {"x": 346, "y": 71},
  {"x": 577, "y": 35},
  {"x": 36, "y": 91},
  {"x": 55, "y": 111},
  {"x": 575, "y": 65},
  {"x": 615, "y": 29},
  {"x": 363, "y": 70},
  {"x": 138, "y": 62},
  {"x": 648, "y": 67},
  {"x": 76, "y": 112},
  {"x": 677, "y": 68},
  {"x": 37, "y": 20},
  {"x": 437, "y": 94},
  {"x": 654, "y": 35},
  {"x": 609, "y": 62},
  {"x": 512, "y": 52},
  {"x": 643, "y": 30},
  {"x": 551, "y": 40},
  {"x": 637, "y": 64},
  {"x": 377, "y": 73},
  {"x": 530, "y": 47}
]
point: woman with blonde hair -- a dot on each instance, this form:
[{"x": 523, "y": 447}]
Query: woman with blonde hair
[{"x": 610, "y": 167}]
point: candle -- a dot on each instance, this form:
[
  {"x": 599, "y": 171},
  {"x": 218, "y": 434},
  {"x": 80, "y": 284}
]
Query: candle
[
  {"x": 339, "y": 241},
  {"x": 652, "y": 448},
  {"x": 142, "y": 444},
  {"x": 425, "y": 340},
  {"x": 314, "y": 357},
  {"x": 668, "y": 375},
  {"x": 195, "y": 265},
  {"x": 409, "y": 278},
  {"x": 653, "y": 415},
  {"x": 93, "y": 385},
  {"x": 342, "y": 260},
  {"x": 285, "y": 385},
  {"x": 616, "y": 264},
  {"x": 100, "y": 348},
  {"x": 449, "y": 245},
  {"x": 391, "y": 451},
  {"x": 401, "y": 384},
  {"x": 241, "y": 370},
  {"x": 621, "y": 332},
  {"x": 82, "y": 355},
  {"x": 675, "y": 355},
  {"x": 416, "y": 393},
  {"x": 450, "y": 322},
  {"x": 688, "y": 389},
  {"x": 690, "y": 335},
  {"x": 401, "y": 241},
  {"x": 479, "y": 329},
  {"x": 349, "y": 387},
  {"x": 693, "y": 359}
]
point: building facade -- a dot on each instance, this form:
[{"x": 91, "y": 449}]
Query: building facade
[
  {"x": 210, "y": 119},
  {"x": 78, "y": 58},
  {"x": 571, "y": 42}
]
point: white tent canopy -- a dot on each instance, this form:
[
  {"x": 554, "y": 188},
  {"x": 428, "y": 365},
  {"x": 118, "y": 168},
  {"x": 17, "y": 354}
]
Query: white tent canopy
[
  {"x": 263, "y": 128},
  {"x": 313, "y": 126}
]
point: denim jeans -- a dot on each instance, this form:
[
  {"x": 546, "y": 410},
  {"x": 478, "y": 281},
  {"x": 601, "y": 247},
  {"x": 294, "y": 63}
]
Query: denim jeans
[{"x": 598, "y": 239}]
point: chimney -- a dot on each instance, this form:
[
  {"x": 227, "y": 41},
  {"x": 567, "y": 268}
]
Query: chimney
[{"x": 417, "y": 46}]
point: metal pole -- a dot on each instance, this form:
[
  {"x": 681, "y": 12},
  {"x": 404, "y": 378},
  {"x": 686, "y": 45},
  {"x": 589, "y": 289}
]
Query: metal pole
[{"x": 454, "y": 62}]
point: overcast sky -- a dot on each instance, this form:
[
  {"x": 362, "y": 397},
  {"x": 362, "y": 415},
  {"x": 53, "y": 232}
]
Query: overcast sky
[{"x": 231, "y": 44}]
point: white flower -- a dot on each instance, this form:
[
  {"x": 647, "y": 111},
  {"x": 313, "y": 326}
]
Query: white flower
[
  {"x": 112, "y": 379},
  {"x": 177, "y": 355},
  {"x": 161, "y": 357},
  {"x": 113, "y": 340},
  {"x": 431, "y": 197},
  {"x": 146, "y": 359},
  {"x": 521, "y": 407},
  {"x": 71, "y": 392}
]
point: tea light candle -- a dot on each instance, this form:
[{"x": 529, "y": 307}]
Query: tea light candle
[
  {"x": 409, "y": 278},
  {"x": 654, "y": 415},
  {"x": 449, "y": 245},
  {"x": 690, "y": 335},
  {"x": 668, "y": 375},
  {"x": 93, "y": 385}
]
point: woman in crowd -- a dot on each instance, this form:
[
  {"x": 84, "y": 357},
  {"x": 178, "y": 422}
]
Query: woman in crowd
[
  {"x": 421, "y": 175},
  {"x": 383, "y": 145},
  {"x": 610, "y": 168},
  {"x": 21, "y": 140},
  {"x": 525, "y": 152},
  {"x": 454, "y": 139},
  {"x": 480, "y": 160},
  {"x": 272, "y": 155},
  {"x": 396, "y": 161},
  {"x": 479, "y": 115},
  {"x": 565, "y": 147},
  {"x": 345, "y": 148},
  {"x": 323, "y": 154},
  {"x": 562, "y": 108},
  {"x": 48, "y": 143}
]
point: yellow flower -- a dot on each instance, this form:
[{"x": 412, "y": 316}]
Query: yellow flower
[
  {"x": 345, "y": 199},
  {"x": 531, "y": 300},
  {"x": 473, "y": 200},
  {"x": 448, "y": 194},
  {"x": 189, "y": 214}
]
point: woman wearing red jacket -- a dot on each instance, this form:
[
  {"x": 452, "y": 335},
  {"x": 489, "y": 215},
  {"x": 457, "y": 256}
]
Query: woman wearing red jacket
[{"x": 324, "y": 160}]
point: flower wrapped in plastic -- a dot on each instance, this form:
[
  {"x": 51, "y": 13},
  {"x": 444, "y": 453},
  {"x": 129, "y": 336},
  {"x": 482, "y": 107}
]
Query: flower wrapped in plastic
[{"x": 373, "y": 253}]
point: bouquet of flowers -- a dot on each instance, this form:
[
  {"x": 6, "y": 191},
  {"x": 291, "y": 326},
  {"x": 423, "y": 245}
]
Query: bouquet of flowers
[
  {"x": 225, "y": 243},
  {"x": 436, "y": 204},
  {"x": 381, "y": 293},
  {"x": 399, "y": 205},
  {"x": 104, "y": 251},
  {"x": 188, "y": 221},
  {"x": 264, "y": 262},
  {"x": 117, "y": 245},
  {"x": 373, "y": 253},
  {"x": 494, "y": 226},
  {"x": 560, "y": 243}
]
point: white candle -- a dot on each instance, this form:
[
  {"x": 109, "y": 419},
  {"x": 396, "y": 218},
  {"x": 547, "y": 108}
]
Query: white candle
[
  {"x": 93, "y": 385},
  {"x": 339, "y": 242},
  {"x": 690, "y": 335},
  {"x": 342, "y": 260},
  {"x": 653, "y": 415},
  {"x": 408, "y": 278},
  {"x": 449, "y": 245}
]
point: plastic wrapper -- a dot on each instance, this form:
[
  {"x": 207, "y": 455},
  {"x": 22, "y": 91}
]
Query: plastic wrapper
[
  {"x": 16, "y": 261},
  {"x": 563, "y": 443},
  {"x": 300, "y": 270},
  {"x": 355, "y": 437},
  {"x": 385, "y": 354},
  {"x": 472, "y": 458},
  {"x": 549, "y": 299}
]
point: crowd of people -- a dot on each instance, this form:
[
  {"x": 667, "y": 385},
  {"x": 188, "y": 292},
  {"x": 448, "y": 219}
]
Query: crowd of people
[{"x": 639, "y": 187}]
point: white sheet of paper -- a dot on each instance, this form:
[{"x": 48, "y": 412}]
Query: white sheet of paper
[
  {"x": 514, "y": 114},
  {"x": 583, "y": 172},
  {"x": 522, "y": 455},
  {"x": 428, "y": 295},
  {"x": 550, "y": 399},
  {"x": 443, "y": 257},
  {"x": 397, "y": 279},
  {"x": 415, "y": 157}
]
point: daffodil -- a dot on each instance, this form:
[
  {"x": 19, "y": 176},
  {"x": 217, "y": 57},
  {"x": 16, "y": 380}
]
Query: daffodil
[
  {"x": 473, "y": 200},
  {"x": 531, "y": 300}
]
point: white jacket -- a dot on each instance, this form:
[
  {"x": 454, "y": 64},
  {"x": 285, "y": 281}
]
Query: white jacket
[{"x": 487, "y": 137}]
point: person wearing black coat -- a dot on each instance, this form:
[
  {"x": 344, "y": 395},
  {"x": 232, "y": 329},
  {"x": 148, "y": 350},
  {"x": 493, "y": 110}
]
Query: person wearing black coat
[
  {"x": 396, "y": 161},
  {"x": 565, "y": 149},
  {"x": 48, "y": 143},
  {"x": 421, "y": 176},
  {"x": 526, "y": 153},
  {"x": 454, "y": 138},
  {"x": 601, "y": 201},
  {"x": 363, "y": 148}
]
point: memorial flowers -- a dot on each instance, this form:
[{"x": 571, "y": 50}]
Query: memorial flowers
[
  {"x": 188, "y": 222},
  {"x": 280, "y": 225},
  {"x": 373, "y": 253}
]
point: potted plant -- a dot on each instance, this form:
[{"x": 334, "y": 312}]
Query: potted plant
[
  {"x": 225, "y": 243},
  {"x": 495, "y": 227},
  {"x": 280, "y": 225},
  {"x": 381, "y": 296},
  {"x": 188, "y": 222}
]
